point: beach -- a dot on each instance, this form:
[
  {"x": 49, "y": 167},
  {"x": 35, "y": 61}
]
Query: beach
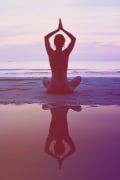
[
  {"x": 50, "y": 134},
  {"x": 95, "y": 132},
  {"x": 89, "y": 117},
  {"x": 91, "y": 91}
]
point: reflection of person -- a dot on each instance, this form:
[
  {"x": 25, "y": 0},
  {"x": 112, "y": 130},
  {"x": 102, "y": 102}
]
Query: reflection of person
[
  {"x": 58, "y": 135},
  {"x": 58, "y": 60}
]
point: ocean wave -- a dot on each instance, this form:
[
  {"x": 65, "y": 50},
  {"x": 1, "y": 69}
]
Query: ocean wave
[{"x": 47, "y": 72}]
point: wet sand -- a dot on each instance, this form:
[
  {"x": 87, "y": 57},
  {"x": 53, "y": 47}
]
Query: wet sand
[
  {"x": 94, "y": 130},
  {"x": 92, "y": 90},
  {"x": 89, "y": 119}
]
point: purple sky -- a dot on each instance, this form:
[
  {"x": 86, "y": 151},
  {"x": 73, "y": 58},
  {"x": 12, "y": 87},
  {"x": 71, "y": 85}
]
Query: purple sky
[{"x": 94, "y": 23}]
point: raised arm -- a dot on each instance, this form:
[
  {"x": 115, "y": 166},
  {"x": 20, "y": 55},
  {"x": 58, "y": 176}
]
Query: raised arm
[
  {"x": 47, "y": 43},
  {"x": 72, "y": 43},
  {"x": 72, "y": 38}
]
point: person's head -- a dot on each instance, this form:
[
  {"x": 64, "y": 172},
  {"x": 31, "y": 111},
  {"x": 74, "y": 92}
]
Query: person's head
[
  {"x": 59, "y": 148},
  {"x": 59, "y": 41}
]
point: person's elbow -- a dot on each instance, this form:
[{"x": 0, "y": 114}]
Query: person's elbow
[
  {"x": 45, "y": 38},
  {"x": 74, "y": 39}
]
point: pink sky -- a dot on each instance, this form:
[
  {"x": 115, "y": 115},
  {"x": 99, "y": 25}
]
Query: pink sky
[{"x": 95, "y": 24}]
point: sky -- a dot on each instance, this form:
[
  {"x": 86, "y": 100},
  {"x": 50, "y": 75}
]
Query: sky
[{"x": 96, "y": 25}]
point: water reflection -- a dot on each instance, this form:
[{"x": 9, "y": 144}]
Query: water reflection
[{"x": 59, "y": 143}]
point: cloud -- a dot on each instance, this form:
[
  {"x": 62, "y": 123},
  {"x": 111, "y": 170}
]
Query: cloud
[
  {"x": 97, "y": 3},
  {"x": 95, "y": 23},
  {"x": 97, "y": 51},
  {"x": 82, "y": 51},
  {"x": 12, "y": 31},
  {"x": 25, "y": 52},
  {"x": 100, "y": 33}
]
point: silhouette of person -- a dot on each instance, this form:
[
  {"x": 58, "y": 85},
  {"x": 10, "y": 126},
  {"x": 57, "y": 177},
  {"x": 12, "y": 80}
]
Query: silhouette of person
[
  {"x": 58, "y": 60},
  {"x": 59, "y": 144}
]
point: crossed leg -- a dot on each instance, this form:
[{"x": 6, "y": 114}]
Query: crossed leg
[
  {"x": 46, "y": 82},
  {"x": 75, "y": 82},
  {"x": 72, "y": 85}
]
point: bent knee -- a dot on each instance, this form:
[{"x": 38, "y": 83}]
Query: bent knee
[
  {"x": 78, "y": 78},
  {"x": 46, "y": 82}
]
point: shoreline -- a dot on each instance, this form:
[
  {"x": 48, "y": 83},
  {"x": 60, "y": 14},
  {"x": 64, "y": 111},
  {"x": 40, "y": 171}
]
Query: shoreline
[{"x": 91, "y": 91}]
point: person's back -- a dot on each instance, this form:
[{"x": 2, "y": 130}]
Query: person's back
[
  {"x": 58, "y": 60},
  {"x": 58, "y": 63}
]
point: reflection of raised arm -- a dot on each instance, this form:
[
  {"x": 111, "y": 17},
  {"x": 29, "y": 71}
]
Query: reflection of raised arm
[
  {"x": 71, "y": 145},
  {"x": 47, "y": 147},
  {"x": 47, "y": 43},
  {"x": 71, "y": 150}
]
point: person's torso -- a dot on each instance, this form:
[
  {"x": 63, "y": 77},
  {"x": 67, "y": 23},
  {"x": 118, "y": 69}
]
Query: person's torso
[{"x": 58, "y": 63}]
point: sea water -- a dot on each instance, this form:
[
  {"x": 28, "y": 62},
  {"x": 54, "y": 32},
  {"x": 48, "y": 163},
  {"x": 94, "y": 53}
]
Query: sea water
[{"x": 47, "y": 73}]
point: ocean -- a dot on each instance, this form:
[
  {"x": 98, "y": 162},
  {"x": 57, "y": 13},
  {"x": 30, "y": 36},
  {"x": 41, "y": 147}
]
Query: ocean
[{"x": 29, "y": 73}]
